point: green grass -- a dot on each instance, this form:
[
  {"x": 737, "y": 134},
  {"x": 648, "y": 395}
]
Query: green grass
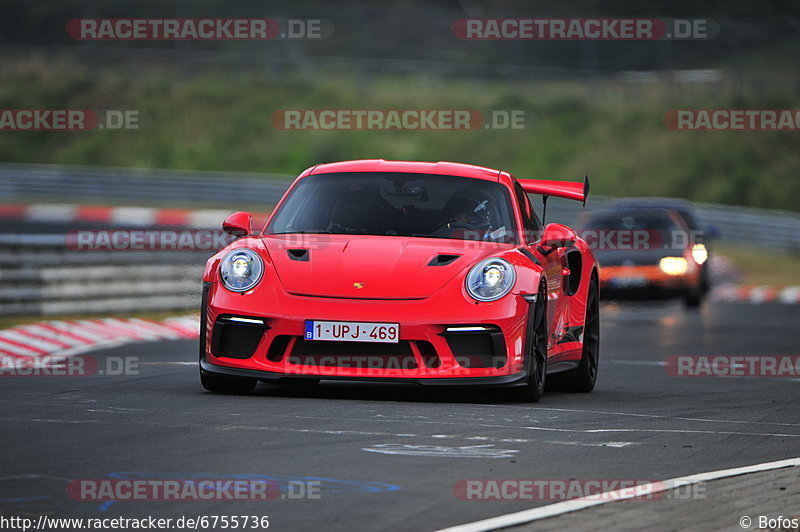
[
  {"x": 219, "y": 120},
  {"x": 782, "y": 269}
]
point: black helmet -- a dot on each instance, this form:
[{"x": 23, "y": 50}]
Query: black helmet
[{"x": 475, "y": 209}]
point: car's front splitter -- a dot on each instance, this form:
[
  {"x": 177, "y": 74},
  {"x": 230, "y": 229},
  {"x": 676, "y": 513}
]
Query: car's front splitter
[{"x": 517, "y": 379}]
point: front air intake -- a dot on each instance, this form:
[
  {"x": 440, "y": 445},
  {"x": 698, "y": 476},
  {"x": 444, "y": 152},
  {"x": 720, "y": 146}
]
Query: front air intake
[
  {"x": 236, "y": 337},
  {"x": 298, "y": 254},
  {"x": 476, "y": 346},
  {"x": 443, "y": 260}
]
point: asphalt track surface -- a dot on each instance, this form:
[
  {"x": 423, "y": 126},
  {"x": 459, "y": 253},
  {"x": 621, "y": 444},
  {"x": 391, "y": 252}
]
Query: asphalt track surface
[{"x": 390, "y": 455}]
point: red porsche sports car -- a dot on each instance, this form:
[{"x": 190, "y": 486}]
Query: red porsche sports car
[{"x": 432, "y": 273}]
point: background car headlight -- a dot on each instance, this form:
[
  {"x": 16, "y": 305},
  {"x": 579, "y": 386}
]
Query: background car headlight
[
  {"x": 490, "y": 279},
  {"x": 699, "y": 253},
  {"x": 241, "y": 270},
  {"x": 673, "y": 265}
]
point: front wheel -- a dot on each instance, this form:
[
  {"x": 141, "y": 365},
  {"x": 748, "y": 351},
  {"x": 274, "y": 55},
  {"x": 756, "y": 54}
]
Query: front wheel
[
  {"x": 582, "y": 379},
  {"x": 228, "y": 385},
  {"x": 536, "y": 351}
]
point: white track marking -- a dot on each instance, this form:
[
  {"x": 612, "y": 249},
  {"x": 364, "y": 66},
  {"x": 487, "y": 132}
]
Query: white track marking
[
  {"x": 50, "y": 212},
  {"x": 36, "y": 343},
  {"x": 613, "y": 444},
  {"x": 207, "y": 218},
  {"x": 140, "y": 330},
  {"x": 122, "y": 328},
  {"x": 96, "y": 328},
  {"x": 188, "y": 325},
  {"x": 80, "y": 330},
  {"x": 586, "y": 431},
  {"x": 560, "y": 508},
  {"x": 65, "y": 421},
  {"x": 673, "y": 431},
  {"x": 137, "y": 216},
  {"x": 790, "y": 295},
  {"x": 493, "y": 439},
  {"x": 45, "y": 333},
  {"x": 159, "y": 328},
  {"x": 45, "y": 339},
  {"x": 17, "y": 350},
  {"x": 759, "y": 294},
  {"x": 656, "y": 416},
  {"x": 437, "y": 451}
]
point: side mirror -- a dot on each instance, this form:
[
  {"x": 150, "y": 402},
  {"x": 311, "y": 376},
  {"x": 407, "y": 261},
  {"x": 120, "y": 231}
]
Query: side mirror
[
  {"x": 556, "y": 236},
  {"x": 238, "y": 224}
]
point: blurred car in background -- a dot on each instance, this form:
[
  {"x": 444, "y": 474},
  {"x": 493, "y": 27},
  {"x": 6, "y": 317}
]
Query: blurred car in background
[
  {"x": 703, "y": 236},
  {"x": 648, "y": 250}
]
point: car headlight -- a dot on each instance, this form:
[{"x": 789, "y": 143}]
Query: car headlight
[
  {"x": 490, "y": 279},
  {"x": 241, "y": 270},
  {"x": 673, "y": 265},
  {"x": 699, "y": 253}
]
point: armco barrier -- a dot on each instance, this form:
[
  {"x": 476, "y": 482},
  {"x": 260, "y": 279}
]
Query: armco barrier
[
  {"x": 40, "y": 275},
  {"x": 25, "y": 183},
  {"x": 81, "y": 184}
]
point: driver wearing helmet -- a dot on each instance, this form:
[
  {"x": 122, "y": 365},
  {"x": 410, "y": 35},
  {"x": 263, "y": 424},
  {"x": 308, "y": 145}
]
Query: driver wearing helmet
[{"x": 465, "y": 217}]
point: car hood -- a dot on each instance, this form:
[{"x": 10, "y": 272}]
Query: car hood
[{"x": 371, "y": 267}]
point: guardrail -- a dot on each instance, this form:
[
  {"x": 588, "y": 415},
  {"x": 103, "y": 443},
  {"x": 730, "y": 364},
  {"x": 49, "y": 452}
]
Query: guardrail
[
  {"x": 23, "y": 182},
  {"x": 40, "y": 275},
  {"x": 27, "y": 182}
]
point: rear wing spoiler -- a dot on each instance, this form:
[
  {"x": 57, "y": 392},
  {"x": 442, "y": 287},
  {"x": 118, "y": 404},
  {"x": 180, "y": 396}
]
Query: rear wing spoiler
[{"x": 562, "y": 189}]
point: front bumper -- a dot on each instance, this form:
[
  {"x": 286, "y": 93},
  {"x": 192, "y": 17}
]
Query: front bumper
[
  {"x": 426, "y": 353},
  {"x": 646, "y": 282}
]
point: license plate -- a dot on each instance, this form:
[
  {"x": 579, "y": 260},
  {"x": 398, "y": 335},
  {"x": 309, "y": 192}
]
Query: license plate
[
  {"x": 353, "y": 331},
  {"x": 628, "y": 282}
]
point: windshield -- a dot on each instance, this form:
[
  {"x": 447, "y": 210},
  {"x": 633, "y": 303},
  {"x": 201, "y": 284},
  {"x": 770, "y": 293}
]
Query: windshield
[
  {"x": 397, "y": 204},
  {"x": 633, "y": 231},
  {"x": 634, "y": 220}
]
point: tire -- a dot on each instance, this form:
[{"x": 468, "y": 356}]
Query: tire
[
  {"x": 536, "y": 351},
  {"x": 227, "y": 385},
  {"x": 694, "y": 299},
  {"x": 705, "y": 281},
  {"x": 583, "y": 378}
]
